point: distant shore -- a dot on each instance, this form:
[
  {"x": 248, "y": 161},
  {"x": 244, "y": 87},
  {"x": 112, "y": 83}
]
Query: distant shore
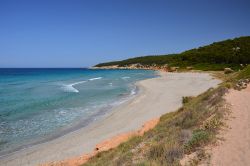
[
  {"x": 156, "y": 97},
  {"x": 136, "y": 66}
]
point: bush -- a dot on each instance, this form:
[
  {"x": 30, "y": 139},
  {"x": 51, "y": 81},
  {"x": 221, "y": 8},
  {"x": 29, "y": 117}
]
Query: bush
[
  {"x": 166, "y": 153},
  {"x": 228, "y": 85},
  {"x": 199, "y": 138},
  {"x": 211, "y": 123},
  {"x": 173, "y": 153},
  {"x": 156, "y": 152},
  {"x": 245, "y": 73},
  {"x": 186, "y": 99}
]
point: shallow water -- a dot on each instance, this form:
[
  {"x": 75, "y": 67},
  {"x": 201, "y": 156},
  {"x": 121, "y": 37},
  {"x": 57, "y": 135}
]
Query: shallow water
[{"x": 37, "y": 104}]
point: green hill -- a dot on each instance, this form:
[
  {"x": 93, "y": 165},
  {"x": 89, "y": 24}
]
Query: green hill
[{"x": 216, "y": 56}]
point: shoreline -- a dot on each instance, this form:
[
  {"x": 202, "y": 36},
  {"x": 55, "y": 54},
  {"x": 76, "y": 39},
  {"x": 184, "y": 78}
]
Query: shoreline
[
  {"x": 156, "y": 94},
  {"x": 73, "y": 128},
  {"x": 82, "y": 123}
]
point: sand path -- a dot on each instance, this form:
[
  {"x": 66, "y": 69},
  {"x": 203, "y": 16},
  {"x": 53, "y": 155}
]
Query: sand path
[{"x": 235, "y": 150}]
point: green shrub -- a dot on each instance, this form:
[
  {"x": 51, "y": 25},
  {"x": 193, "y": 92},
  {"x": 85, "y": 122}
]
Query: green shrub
[
  {"x": 245, "y": 73},
  {"x": 228, "y": 85},
  {"x": 156, "y": 152},
  {"x": 186, "y": 99},
  {"x": 165, "y": 153},
  {"x": 212, "y": 123},
  {"x": 199, "y": 138}
]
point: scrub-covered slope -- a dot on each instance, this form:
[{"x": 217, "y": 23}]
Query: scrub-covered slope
[{"x": 216, "y": 56}]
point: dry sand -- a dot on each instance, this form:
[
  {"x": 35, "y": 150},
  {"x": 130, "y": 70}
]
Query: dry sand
[
  {"x": 157, "y": 96},
  {"x": 235, "y": 149},
  {"x": 105, "y": 145}
]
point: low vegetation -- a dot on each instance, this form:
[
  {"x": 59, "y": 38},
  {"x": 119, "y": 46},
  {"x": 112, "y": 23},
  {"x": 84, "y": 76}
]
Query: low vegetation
[
  {"x": 245, "y": 73},
  {"x": 216, "y": 56},
  {"x": 186, "y": 99}
]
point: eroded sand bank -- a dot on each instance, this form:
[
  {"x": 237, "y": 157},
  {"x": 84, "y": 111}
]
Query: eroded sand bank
[{"x": 157, "y": 96}]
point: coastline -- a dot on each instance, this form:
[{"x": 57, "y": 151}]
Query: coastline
[
  {"x": 157, "y": 94},
  {"x": 100, "y": 111}
]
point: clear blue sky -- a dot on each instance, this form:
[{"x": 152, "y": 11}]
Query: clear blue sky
[{"x": 78, "y": 33}]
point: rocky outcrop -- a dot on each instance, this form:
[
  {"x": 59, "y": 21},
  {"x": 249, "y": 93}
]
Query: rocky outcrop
[
  {"x": 136, "y": 66},
  {"x": 189, "y": 68},
  {"x": 107, "y": 67},
  {"x": 228, "y": 70},
  {"x": 173, "y": 69}
]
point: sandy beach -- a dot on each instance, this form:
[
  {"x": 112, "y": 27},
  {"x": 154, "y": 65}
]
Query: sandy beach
[{"x": 156, "y": 97}]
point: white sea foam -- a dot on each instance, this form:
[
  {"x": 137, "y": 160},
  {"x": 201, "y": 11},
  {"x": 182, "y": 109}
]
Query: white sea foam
[
  {"x": 125, "y": 78},
  {"x": 97, "y": 78},
  {"x": 71, "y": 88},
  {"x": 133, "y": 91},
  {"x": 76, "y": 83}
]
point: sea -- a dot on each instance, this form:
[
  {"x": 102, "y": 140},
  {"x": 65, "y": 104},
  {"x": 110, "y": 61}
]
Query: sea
[{"x": 37, "y": 105}]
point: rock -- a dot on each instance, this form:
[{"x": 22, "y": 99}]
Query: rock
[
  {"x": 228, "y": 70},
  {"x": 237, "y": 87},
  {"x": 165, "y": 67},
  {"x": 172, "y": 69},
  {"x": 189, "y": 68},
  {"x": 242, "y": 84}
]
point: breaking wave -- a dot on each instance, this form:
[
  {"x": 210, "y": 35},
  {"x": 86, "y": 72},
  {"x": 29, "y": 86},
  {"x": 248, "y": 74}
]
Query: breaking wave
[
  {"x": 124, "y": 78},
  {"x": 71, "y": 88},
  {"x": 97, "y": 78}
]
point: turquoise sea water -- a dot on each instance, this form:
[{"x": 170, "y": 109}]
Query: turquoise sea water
[{"x": 41, "y": 104}]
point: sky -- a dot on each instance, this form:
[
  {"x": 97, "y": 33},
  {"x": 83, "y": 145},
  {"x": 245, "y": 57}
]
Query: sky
[{"x": 82, "y": 33}]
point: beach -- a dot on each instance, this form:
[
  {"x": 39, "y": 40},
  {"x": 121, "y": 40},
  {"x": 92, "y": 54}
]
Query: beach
[{"x": 156, "y": 97}]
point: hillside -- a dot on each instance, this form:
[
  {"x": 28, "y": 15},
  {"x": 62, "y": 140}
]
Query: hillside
[{"x": 216, "y": 56}]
